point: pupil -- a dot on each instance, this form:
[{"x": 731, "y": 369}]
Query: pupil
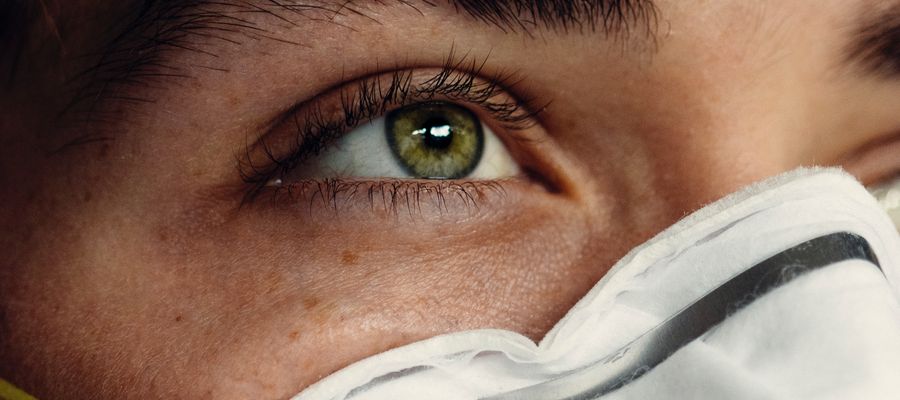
[{"x": 438, "y": 133}]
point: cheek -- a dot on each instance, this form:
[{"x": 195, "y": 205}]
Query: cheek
[{"x": 264, "y": 302}]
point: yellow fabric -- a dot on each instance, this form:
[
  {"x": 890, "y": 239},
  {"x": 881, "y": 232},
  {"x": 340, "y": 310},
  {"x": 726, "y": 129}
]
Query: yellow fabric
[{"x": 10, "y": 392}]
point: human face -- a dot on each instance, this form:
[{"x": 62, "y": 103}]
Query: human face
[{"x": 176, "y": 229}]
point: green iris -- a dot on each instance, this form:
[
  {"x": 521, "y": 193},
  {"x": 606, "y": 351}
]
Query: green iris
[{"x": 435, "y": 140}]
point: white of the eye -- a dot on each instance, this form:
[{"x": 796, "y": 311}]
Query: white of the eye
[
  {"x": 496, "y": 162},
  {"x": 888, "y": 196},
  {"x": 365, "y": 153}
]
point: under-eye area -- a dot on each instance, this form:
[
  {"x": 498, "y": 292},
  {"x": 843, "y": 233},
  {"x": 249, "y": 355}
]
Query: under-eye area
[{"x": 394, "y": 197}]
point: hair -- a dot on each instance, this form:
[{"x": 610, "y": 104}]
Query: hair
[{"x": 15, "y": 18}]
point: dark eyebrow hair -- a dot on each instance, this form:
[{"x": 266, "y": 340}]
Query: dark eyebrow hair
[
  {"x": 609, "y": 16},
  {"x": 876, "y": 45},
  {"x": 140, "y": 54}
]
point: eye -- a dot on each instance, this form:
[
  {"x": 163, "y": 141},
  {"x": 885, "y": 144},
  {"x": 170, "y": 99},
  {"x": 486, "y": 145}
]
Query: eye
[
  {"x": 429, "y": 140},
  {"x": 428, "y": 123}
]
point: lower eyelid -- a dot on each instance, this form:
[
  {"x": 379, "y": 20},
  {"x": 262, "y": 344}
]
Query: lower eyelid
[{"x": 398, "y": 197}]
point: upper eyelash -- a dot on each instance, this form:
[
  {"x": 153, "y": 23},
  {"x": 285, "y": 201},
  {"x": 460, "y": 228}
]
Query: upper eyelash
[{"x": 457, "y": 79}]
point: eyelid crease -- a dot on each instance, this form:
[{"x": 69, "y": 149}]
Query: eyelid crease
[{"x": 458, "y": 79}]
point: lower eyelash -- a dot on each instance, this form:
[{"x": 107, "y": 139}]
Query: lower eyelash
[{"x": 393, "y": 197}]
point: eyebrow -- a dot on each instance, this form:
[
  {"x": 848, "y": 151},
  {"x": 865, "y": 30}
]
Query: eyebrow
[
  {"x": 141, "y": 54},
  {"x": 876, "y": 44},
  {"x": 609, "y": 16}
]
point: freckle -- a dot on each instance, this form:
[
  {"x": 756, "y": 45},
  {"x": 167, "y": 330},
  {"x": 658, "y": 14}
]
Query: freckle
[
  {"x": 294, "y": 335},
  {"x": 178, "y": 318},
  {"x": 163, "y": 237},
  {"x": 349, "y": 258},
  {"x": 310, "y": 302}
]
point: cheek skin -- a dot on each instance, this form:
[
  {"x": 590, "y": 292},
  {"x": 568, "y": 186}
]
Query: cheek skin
[
  {"x": 703, "y": 118},
  {"x": 348, "y": 289},
  {"x": 265, "y": 301}
]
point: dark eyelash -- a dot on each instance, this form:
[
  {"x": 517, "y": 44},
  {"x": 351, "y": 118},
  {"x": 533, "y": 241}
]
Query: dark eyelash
[
  {"x": 391, "y": 195},
  {"x": 458, "y": 79}
]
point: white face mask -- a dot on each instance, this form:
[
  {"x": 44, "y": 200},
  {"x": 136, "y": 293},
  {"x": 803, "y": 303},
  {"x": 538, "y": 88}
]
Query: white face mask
[
  {"x": 888, "y": 196},
  {"x": 804, "y": 311}
]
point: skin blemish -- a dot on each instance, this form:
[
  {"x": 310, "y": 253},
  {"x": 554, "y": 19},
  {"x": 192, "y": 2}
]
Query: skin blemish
[
  {"x": 310, "y": 302},
  {"x": 294, "y": 335},
  {"x": 318, "y": 312},
  {"x": 349, "y": 258},
  {"x": 179, "y": 318}
]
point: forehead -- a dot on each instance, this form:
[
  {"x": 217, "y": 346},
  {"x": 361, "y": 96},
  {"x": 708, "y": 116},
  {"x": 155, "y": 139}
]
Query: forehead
[
  {"x": 104, "y": 20},
  {"x": 132, "y": 35}
]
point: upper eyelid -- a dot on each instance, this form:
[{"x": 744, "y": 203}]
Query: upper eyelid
[
  {"x": 430, "y": 81},
  {"x": 454, "y": 69},
  {"x": 463, "y": 86}
]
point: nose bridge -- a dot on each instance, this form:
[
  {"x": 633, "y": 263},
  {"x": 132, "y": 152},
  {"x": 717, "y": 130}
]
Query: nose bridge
[
  {"x": 671, "y": 141},
  {"x": 714, "y": 109},
  {"x": 704, "y": 157}
]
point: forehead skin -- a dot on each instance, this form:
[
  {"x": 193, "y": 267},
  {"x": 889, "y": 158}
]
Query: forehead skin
[{"x": 132, "y": 271}]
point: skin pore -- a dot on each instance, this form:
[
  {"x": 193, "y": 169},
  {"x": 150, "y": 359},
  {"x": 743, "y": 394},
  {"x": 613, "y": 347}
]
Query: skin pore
[{"x": 136, "y": 265}]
